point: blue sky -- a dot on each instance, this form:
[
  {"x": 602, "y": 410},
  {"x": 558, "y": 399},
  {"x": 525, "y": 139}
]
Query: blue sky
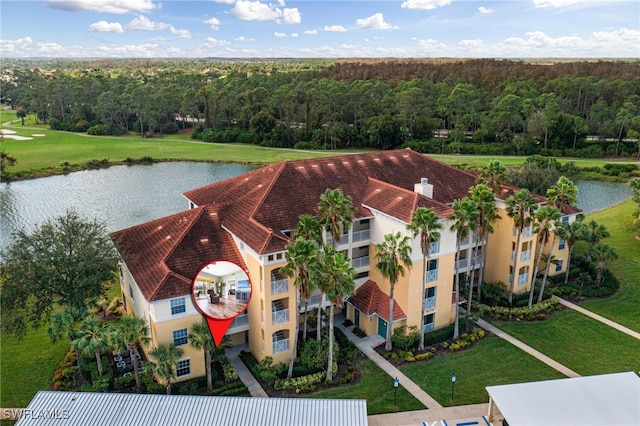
[{"x": 325, "y": 29}]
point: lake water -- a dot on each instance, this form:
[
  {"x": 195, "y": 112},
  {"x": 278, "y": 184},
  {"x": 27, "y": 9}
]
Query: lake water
[{"x": 124, "y": 196}]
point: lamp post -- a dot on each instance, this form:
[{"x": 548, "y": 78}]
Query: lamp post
[
  {"x": 453, "y": 382},
  {"x": 396, "y": 382}
]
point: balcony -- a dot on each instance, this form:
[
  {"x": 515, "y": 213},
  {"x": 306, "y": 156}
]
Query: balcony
[
  {"x": 278, "y": 317},
  {"x": 363, "y": 235},
  {"x": 434, "y": 247},
  {"x": 429, "y": 303},
  {"x": 432, "y": 275},
  {"x": 279, "y": 285},
  {"x": 280, "y": 346},
  {"x": 526, "y": 232},
  {"x": 343, "y": 240},
  {"x": 241, "y": 322},
  {"x": 360, "y": 262},
  {"x": 427, "y": 328},
  {"x": 462, "y": 264},
  {"x": 522, "y": 279},
  {"x": 465, "y": 242},
  {"x": 524, "y": 256}
]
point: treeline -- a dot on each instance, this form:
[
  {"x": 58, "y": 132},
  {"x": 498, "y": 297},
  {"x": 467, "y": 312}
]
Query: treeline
[{"x": 471, "y": 106}]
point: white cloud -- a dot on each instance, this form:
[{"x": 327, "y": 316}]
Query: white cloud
[
  {"x": 280, "y": 35},
  {"x": 214, "y": 23},
  {"x": 311, "y": 32},
  {"x": 186, "y": 34},
  {"x": 295, "y": 35},
  {"x": 16, "y": 46},
  {"x": 105, "y": 6},
  {"x": 243, "y": 38},
  {"x": 214, "y": 42},
  {"x": 291, "y": 16},
  {"x": 430, "y": 46},
  {"x": 471, "y": 44},
  {"x": 485, "y": 10},
  {"x": 255, "y": 11},
  {"x": 144, "y": 23},
  {"x": 556, "y": 3},
  {"x": 106, "y": 27},
  {"x": 335, "y": 28},
  {"x": 374, "y": 22},
  {"x": 425, "y": 4}
]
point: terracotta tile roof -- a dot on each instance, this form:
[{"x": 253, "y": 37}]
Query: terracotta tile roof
[
  {"x": 165, "y": 255},
  {"x": 262, "y": 203},
  {"x": 370, "y": 300}
]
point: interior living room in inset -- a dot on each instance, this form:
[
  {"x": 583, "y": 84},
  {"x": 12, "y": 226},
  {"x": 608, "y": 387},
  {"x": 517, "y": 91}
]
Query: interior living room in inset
[{"x": 222, "y": 290}]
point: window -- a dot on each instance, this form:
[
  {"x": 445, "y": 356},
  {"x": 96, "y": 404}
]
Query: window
[
  {"x": 178, "y": 306},
  {"x": 427, "y": 319},
  {"x": 183, "y": 368},
  {"x": 432, "y": 270},
  {"x": 434, "y": 247},
  {"x": 429, "y": 292},
  {"x": 565, "y": 219},
  {"x": 559, "y": 265},
  {"x": 180, "y": 337},
  {"x": 131, "y": 292},
  {"x": 563, "y": 242}
]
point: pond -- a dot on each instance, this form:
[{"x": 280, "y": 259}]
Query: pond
[{"x": 123, "y": 196}]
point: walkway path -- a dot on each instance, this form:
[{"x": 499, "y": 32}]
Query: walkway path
[
  {"x": 233, "y": 354},
  {"x": 528, "y": 349},
  {"x": 598, "y": 317},
  {"x": 365, "y": 346}
]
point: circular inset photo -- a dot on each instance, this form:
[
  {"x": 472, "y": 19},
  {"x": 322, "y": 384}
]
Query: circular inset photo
[{"x": 221, "y": 290}]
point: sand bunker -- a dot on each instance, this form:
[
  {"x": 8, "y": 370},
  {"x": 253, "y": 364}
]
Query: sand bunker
[
  {"x": 38, "y": 134},
  {"x": 11, "y": 134}
]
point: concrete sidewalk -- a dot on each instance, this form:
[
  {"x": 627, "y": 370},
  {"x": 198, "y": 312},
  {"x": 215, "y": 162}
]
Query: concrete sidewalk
[
  {"x": 528, "y": 349},
  {"x": 365, "y": 346},
  {"x": 233, "y": 354},
  {"x": 452, "y": 415},
  {"x": 598, "y": 317}
]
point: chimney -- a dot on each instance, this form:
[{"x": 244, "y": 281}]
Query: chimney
[{"x": 424, "y": 188}]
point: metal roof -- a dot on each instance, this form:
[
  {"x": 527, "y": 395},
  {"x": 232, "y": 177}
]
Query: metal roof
[
  {"x": 608, "y": 399},
  {"x": 117, "y": 409}
]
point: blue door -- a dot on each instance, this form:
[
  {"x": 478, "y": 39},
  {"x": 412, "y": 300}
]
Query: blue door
[
  {"x": 356, "y": 318},
  {"x": 382, "y": 327}
]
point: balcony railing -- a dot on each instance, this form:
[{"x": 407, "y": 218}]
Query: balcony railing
[
  {"x": 429, "y": 303},
  {"x": 363, "y": 235},
  {"x": 278, "y": 317},
  {"x": 526, "y": 232},
  {"x": 343, "y": 240},
  {"x": 522, "y": 279},
  {"x": 432, "y": 275},
  {"x": 525, "y": 255},
  {"x": 427, "y": 328},
  {"x": 360, "y": 262},
  {"x": 462, "y": 263},
  {"x": 434, "y": 247},
  {"x": 240, "y": 321},
  {"x": 280, "y": 346},
  {"x": 279, "y": 286},
  {"x": 465, "y": 242}
]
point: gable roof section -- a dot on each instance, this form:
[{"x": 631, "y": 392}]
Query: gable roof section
[
  {"x": 165, "y": 255},
  {"x": 370, "y": 300}
]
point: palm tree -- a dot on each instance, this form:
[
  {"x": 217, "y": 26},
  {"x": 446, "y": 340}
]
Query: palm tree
[
  {"x": 426, "y": 223},
  {"x": 563, "y": 193},
  {"x": 571, "y": 233},
  {"x": 544, "y": 220},
  {"x": 91, "y": 338},
  {"x": 603, "y": 251},
  {"x": 131, "y": 331},
  {"x": 465, "y": 219},
  {"x": 66, "y": 323},
  {"x": 595, "y": 233},
  {"x": 520, "y": 206},
  {"x": 309, "y": 228},
  {"x": 165, "y": 358},
  {"x": 493, "y": 175},
  {"x": 552, "y": 218},
  {"x": 487, "y": 214},
  {"x": 391, "y": 254},
  {"x": 301, "y": 256},
  {"x": 336, "y": 271},
  {"x": 336, "y": 212},
  {"x": 200, "y": 338}
]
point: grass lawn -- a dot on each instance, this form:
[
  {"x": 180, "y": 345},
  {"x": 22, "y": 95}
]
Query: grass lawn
[
  {"x": 624, "y": 307},
  {"x": 580, "y": 343},
  {"x": 27, "y": 366},
  {"x": 377, "y": 388},
  {"x": 492, "y": 361}
]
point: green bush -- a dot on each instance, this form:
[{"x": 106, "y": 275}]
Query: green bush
[
  {"x": 122, "y": 382},
  {"x": 97, "y": 164},
  {"x": 616, "y": 169},
  {"x": 404, "y": 340},
  {"x": 151, "y": 386},
  {"x": 536, "y": 312},
  {"x": 308, "y": 145},
  {"x": 440, "y": 335},
  {"x": 300, "y": 384}
]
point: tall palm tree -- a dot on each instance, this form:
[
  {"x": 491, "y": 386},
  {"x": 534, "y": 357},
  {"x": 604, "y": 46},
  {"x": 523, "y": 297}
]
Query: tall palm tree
[
  {"x": 603, "y": 251},
  {"x": 165, "y": 358},
  {"x": 425, "y": 223},
  {"x": 487, "y": 215},
  {"x": 465, "y": 219},
  {"x": 336, "y": 212},
  {"x": 338, "y": 274},
  {"x": 129, "y": 332},
  {"x": 492, "y": 175},
  {"x": 571, "y": 233},
  {"x": 200, "y": 338},
  {"x": 301, "y": 257},
  {"x": 552, "y": 218},
  {"x": 66, "y": 324},
  {"x": 563, "y": 193},
  {"x": 309, "y": 228},
  {"x": 545, "y": 219},
  {"x": 91, "y": 338},
  {"x": 520, "y": 207},
  {"x": 595, "y": 233},
  {"x": 391, "y": 256}
]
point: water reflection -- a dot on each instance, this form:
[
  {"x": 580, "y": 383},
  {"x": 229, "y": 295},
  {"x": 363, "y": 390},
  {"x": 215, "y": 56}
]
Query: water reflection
[{"x": 594, "y": 195}]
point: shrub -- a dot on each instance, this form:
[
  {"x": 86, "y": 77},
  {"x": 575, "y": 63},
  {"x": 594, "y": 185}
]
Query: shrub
[
  {"x": 97, "y": 164},
  {"x": 188, "y": 387},
  {"x": 124, "y": 382},
  {"x": 439, "y": 335},
  {"x": 300, "y": 384},
  {"x": 423, "y": 355},
  {"x": 523, "y": 313},
  {"x": 308, "y": 145},
  {"x": 358, "y": 332},
  {"x": 616, "y": 169},
  {"x": 63, "y": 376},
  {"x": 150, "y": 384},
  {"x": 406, "y": 341},
  {"x": 230, "y": 373}
]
